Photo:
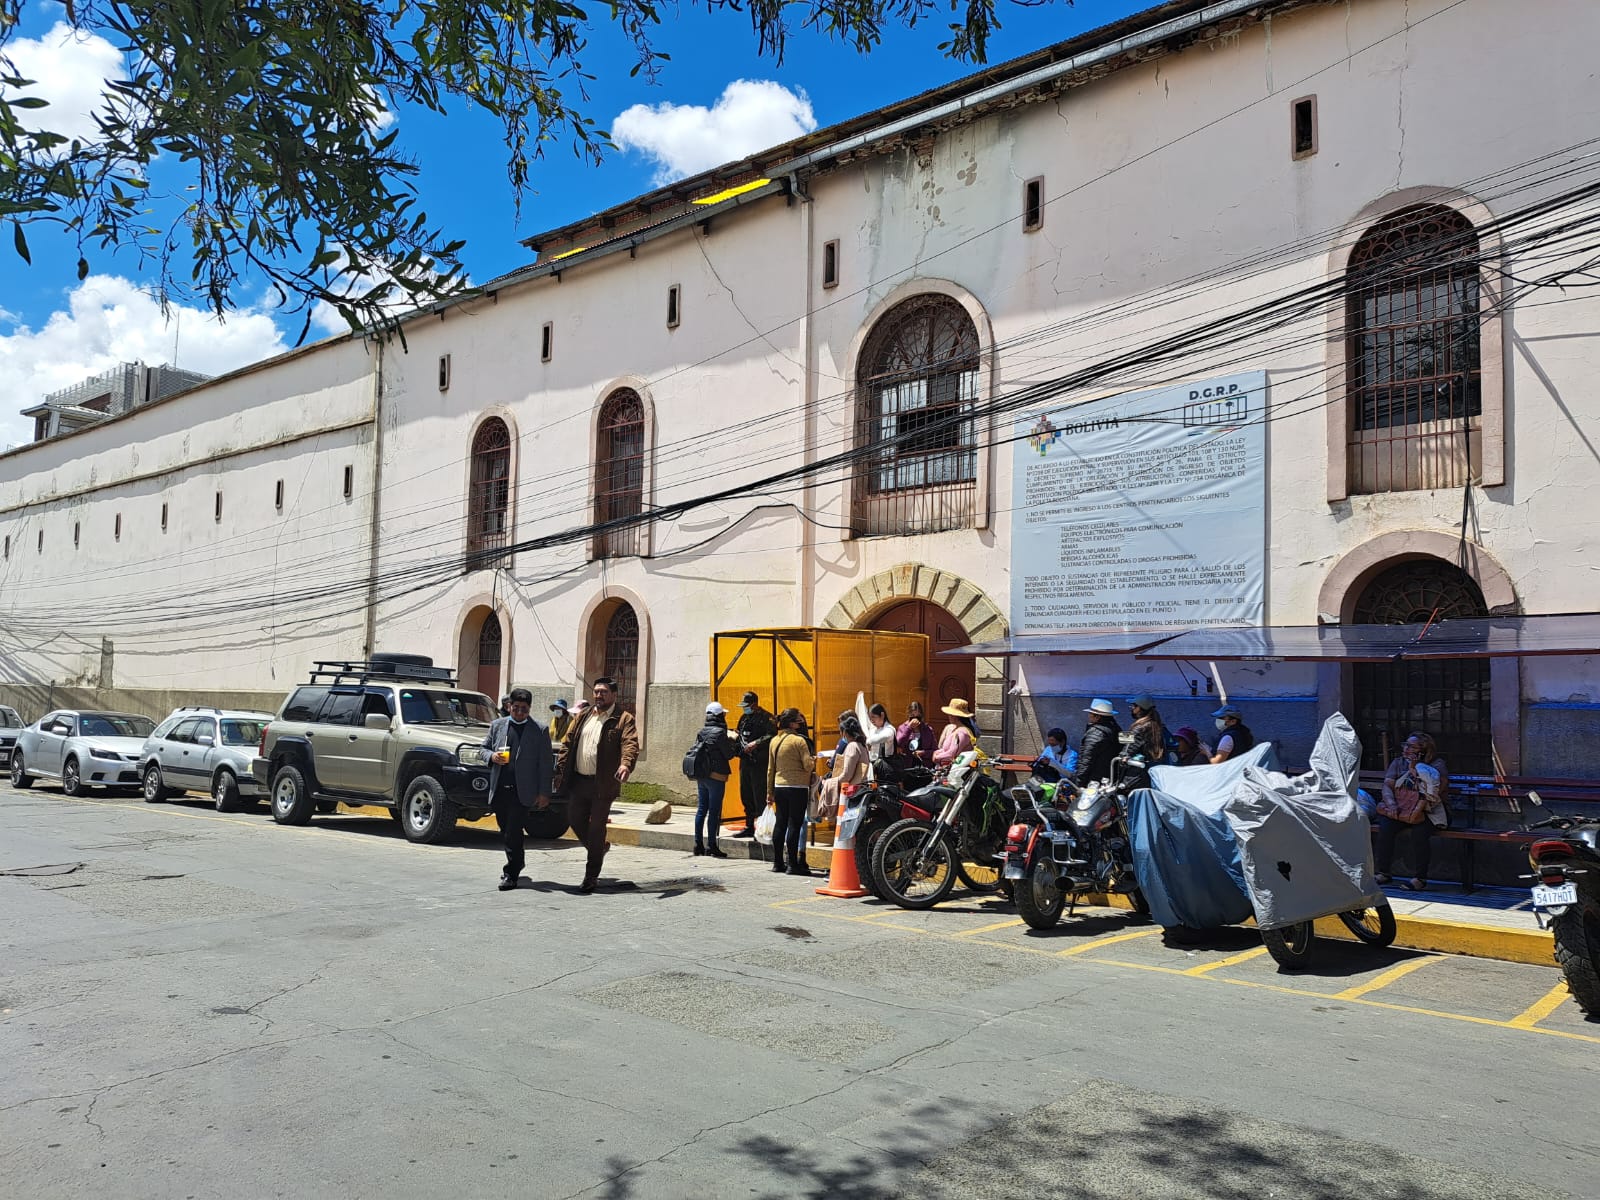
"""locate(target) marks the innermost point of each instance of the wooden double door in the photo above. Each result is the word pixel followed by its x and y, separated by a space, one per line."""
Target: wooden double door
pixel 948 678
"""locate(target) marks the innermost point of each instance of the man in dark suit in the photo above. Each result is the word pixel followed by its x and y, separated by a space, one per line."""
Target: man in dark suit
pixel 521 766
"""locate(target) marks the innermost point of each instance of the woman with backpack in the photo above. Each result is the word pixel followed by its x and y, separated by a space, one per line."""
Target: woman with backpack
pixel 709 763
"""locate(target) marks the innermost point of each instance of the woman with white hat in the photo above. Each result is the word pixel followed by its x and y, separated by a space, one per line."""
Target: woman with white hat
pixel 958 736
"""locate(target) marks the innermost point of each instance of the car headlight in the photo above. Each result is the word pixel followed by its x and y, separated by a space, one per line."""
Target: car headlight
pixel 470 754
pixel 110 755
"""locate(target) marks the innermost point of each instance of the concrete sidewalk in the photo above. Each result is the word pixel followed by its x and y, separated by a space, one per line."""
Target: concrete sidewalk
pixel 1489 923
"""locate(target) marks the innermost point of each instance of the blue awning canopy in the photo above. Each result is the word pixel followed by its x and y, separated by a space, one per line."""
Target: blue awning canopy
pixel 1105 641
pixel 1477 637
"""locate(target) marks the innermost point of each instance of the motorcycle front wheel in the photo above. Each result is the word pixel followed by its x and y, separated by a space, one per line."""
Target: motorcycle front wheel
pixel 1373 925
pixel 867 835
pixel 1290 945
pixel 1039 896
pixel 914 866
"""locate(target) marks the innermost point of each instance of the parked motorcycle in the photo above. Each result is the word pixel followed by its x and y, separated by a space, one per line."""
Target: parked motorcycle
pixel 1567 868
pixel 885 800
pixel 916 861
pixel 1069 841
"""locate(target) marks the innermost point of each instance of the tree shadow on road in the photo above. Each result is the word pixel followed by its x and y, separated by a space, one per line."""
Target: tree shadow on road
pixel 1104 1141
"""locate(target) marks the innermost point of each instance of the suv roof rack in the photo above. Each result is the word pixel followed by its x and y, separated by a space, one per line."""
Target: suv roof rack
pixel 338 671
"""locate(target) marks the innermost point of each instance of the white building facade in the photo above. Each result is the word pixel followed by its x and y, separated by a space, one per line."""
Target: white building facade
pixel 787 393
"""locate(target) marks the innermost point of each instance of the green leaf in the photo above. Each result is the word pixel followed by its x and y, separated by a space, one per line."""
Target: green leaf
pixel 20 241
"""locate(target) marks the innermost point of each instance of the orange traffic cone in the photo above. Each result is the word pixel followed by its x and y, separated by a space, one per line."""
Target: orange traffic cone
pixel 842 878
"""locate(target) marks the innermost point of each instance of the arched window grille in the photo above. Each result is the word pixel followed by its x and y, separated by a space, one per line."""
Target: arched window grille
pixel 489 493
pixel 621 655
pixel 1415 380
pixel 619 475
pixel 1446 698
pixel 917 391
pixel 489 642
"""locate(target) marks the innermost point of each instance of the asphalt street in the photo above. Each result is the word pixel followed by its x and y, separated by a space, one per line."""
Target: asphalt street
pixel 198 1005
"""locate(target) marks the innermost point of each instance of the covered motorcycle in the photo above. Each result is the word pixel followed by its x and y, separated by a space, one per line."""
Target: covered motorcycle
pixel 1213 845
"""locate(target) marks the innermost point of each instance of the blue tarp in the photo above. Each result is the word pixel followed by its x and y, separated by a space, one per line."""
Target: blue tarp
pixel 1214 845
pixel 1184 852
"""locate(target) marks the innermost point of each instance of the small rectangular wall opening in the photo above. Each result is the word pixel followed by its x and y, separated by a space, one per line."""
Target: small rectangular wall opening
pixel 216 514
pixel 1033 205
pixel 830 264
pixel 547 341
pixel 673 305
pixel 116 528
pixel 349 482
pixel 444 372
pixel 277 495
pixel 1303 126
pixel 163 517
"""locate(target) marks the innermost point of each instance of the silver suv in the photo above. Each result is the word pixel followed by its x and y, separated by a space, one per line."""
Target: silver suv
pixel 204 749
pixel 394 731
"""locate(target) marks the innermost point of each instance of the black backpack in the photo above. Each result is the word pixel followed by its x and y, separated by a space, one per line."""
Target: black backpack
pixel 694 761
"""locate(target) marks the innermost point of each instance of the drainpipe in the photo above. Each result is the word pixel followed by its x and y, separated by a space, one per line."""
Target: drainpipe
pixel 377 485
pixel 808 415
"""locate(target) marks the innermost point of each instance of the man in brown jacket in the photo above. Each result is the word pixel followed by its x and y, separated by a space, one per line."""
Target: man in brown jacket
pixel 592 764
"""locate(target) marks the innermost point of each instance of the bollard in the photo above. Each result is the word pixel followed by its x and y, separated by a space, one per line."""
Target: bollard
pixel 843 881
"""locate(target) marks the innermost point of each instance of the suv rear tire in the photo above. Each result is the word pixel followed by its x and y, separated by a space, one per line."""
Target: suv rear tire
pixel 426 813
pixel 291 798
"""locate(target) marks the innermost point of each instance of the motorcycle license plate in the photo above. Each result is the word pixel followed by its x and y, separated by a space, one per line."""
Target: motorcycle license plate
pixel 1550 897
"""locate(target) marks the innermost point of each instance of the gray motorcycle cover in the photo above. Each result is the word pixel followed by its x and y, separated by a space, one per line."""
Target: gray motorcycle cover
pixel 1304 845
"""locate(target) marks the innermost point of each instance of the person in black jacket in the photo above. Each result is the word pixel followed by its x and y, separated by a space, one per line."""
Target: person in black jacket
pixel 520 769
pixel 756 728
pixel 1100 743
pixel 714 751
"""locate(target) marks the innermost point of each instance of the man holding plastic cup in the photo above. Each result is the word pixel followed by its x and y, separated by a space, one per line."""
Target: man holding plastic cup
pixel 521 765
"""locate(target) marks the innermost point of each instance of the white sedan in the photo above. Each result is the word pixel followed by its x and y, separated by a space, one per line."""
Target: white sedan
pixel 81 750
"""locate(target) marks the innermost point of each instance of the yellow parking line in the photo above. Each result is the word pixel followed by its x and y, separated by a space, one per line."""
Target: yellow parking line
pixel 1530 1017
pixel 1246 956
pixel 990 928
pixel 1383 980
pixel 1108 941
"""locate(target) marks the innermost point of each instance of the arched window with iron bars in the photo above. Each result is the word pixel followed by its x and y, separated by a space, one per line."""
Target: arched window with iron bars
pixel 619 475
pixel 621 654
pixel 489 492
pixel 1413 360
pixel 917 389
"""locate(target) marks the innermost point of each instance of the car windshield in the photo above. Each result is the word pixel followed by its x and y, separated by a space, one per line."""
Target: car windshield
pixel 9 719
pixel 445 708
pixel 241 732
pixel 113 725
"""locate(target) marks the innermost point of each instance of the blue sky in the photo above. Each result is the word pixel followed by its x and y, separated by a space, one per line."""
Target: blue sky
pixel 54 331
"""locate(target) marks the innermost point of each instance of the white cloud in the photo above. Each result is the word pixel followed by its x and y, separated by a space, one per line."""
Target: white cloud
pixel 70 70
pixel 110 320
pixel 683 139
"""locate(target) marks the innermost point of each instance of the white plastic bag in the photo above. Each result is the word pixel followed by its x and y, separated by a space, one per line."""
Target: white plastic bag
pixel 844 837
pixel 766 823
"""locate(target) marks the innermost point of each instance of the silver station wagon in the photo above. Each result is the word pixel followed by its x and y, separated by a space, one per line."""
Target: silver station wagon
pixel 203 750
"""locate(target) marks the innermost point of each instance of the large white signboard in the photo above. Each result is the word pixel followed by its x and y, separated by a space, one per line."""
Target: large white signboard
pixel 1142 511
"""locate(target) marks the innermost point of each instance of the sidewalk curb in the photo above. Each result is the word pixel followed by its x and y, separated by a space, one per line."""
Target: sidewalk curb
pixel 1535 947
